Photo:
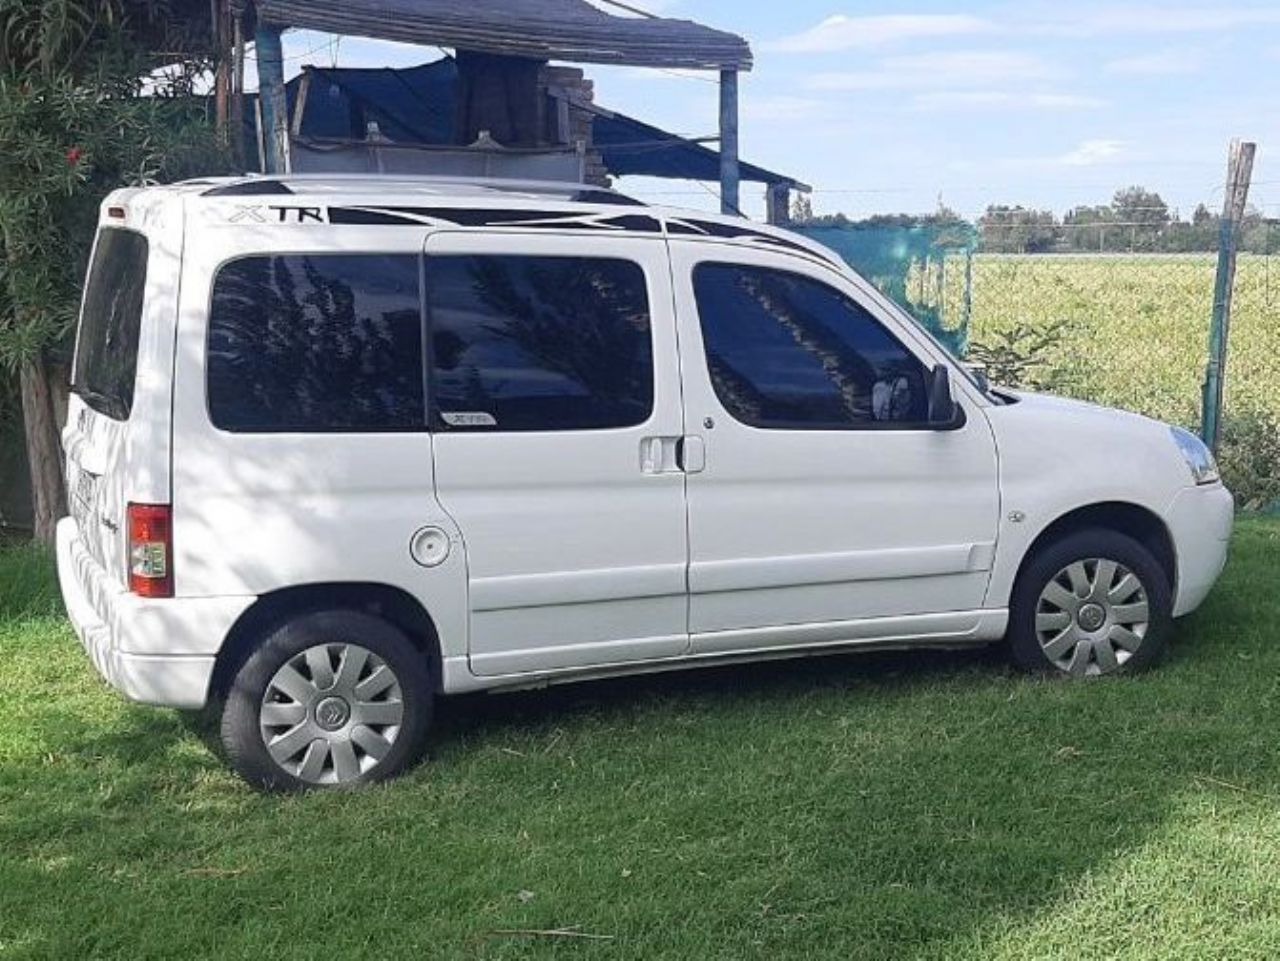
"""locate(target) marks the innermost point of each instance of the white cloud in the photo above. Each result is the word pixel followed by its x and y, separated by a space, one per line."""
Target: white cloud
pixel 1159 19
pixel 842 32
pixel 1159 63
pixel 1002 100
pixel 959 68
pixel 1090 153
pixel 1150 18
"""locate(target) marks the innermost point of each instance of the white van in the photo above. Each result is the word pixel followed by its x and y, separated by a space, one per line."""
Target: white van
pixel 340 445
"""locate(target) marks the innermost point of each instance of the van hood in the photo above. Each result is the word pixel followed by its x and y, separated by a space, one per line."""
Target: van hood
pixel 1050 405
pixel 1052 436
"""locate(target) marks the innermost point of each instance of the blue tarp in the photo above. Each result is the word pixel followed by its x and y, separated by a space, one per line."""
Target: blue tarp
pixel 416 106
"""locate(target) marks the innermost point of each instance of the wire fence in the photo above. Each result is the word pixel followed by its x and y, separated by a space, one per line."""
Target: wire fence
pixel 1128 329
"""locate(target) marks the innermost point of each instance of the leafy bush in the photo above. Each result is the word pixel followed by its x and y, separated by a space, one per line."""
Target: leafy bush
pixel 1022 355
pixel 1249 457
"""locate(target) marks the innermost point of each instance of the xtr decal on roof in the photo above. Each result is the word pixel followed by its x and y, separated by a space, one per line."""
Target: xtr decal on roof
pixel 489 217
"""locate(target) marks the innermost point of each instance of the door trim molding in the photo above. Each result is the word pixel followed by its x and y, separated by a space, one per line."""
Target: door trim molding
pixel 576 587
pixel 709 577
pixel 954 629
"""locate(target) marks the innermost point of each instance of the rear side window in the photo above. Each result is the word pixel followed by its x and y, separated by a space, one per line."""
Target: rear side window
pixel 313 343
pixel 529 343
pixel 106 359
pixel 788 351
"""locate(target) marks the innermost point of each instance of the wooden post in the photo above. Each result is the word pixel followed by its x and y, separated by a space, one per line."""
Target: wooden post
pixel 300 100
pixel 271 96
pixel 1239 172
pixel 221 73
pixel 777 204
pixel 729 142
pixel 237 92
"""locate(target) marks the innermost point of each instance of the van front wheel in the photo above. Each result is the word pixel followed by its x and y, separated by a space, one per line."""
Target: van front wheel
pixel 1094 602
pixel 330 698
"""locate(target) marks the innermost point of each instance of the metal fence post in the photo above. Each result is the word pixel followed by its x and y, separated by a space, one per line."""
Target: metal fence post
pixel 1239 170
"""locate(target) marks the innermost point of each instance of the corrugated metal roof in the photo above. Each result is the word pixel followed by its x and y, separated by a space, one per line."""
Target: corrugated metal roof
pixel 570 30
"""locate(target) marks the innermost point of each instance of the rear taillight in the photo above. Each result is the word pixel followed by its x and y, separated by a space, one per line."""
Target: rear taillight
pixel 151 550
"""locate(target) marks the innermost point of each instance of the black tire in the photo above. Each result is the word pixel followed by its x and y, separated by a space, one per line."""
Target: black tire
pixel 1025 642
pixel 336 632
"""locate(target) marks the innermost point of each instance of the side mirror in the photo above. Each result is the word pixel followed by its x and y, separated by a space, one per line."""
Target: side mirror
pixel 944 412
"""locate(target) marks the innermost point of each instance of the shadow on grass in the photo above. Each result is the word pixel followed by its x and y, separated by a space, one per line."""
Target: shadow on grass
pixel 706 688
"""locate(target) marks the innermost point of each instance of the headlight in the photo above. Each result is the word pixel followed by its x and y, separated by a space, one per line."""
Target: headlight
pixel 1198 457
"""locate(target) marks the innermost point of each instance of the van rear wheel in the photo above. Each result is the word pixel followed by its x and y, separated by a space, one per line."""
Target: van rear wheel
pixel 329 699
pixel 1095 602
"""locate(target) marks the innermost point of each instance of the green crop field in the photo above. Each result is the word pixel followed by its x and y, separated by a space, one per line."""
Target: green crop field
pixel 1137 325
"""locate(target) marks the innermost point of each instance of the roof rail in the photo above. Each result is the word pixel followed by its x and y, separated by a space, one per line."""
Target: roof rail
pixel 299 183
pixel 248 188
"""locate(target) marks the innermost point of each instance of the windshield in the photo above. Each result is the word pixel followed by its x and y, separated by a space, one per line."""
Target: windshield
pixel 106 356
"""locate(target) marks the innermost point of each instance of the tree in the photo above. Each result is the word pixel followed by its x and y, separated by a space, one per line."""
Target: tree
pixel 74 123
pixel 1144 214
pixel 1017 229
pixel 1090 228
pixel 801 209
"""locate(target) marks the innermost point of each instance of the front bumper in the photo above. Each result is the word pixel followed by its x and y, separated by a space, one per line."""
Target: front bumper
pixel 1200 521
pixel 153 650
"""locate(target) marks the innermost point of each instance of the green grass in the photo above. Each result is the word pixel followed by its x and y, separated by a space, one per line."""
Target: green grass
pixel 921 806
pixel 1139 325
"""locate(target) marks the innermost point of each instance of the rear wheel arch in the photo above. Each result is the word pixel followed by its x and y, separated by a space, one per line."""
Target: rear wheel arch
pixel 271 610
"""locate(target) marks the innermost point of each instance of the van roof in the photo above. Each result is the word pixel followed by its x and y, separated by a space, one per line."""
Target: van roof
pixel 391 199
pixel 475 188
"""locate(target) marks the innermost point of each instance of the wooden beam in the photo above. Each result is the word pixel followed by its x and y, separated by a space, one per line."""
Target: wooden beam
pixel 1239 173
pixel 221 72
pixel 300 101
pixel 237 92
pixel 271 95
pixel 777 204
pixel 729 172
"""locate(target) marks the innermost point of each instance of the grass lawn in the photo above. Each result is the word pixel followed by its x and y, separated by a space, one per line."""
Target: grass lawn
pixel 914 806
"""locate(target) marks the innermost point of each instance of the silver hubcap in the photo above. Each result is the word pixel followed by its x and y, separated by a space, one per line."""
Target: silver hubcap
pixel 331 713
pixel 1092 616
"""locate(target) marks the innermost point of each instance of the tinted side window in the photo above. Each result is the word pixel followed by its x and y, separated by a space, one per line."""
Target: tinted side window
pixel 110 321
pixel 329 342
pixel 539 343
pixel 784 350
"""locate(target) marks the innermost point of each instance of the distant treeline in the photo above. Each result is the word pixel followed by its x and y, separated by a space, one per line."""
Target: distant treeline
pixel 1136 220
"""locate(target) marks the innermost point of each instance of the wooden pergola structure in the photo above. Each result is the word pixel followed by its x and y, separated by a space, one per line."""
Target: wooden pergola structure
pixel 496 32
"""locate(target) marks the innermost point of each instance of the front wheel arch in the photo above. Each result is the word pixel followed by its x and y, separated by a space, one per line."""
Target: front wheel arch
pixel 1123 517
pixel 1098 558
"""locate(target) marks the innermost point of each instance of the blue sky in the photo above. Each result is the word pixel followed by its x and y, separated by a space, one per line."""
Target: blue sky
pixel 884 107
